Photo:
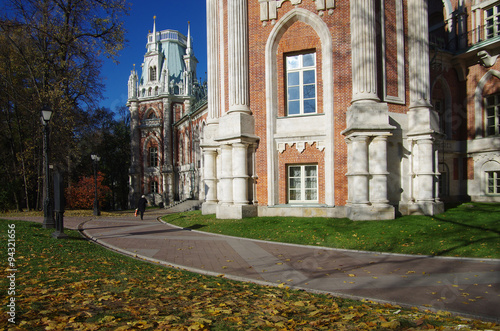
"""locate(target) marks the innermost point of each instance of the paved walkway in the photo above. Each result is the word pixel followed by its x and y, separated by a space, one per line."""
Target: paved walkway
pixel 469 287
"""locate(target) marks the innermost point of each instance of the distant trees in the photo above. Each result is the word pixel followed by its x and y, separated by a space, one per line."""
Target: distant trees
pixel 50 56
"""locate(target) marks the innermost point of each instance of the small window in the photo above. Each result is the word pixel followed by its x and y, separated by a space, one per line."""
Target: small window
pixel 152 115
pixel 153 156
pixel 301 84
pixel 152 74
pixel 492 21
pixel 302 183
pixel 154 186
pixel 492 115
pixel 493 182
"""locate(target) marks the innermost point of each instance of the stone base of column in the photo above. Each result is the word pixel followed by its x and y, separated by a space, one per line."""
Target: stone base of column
pixel 236 211
pixel 370 213
pixel 208 208
pixel 421 208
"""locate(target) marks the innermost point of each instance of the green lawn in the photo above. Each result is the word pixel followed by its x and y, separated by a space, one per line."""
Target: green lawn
pixel 74 284
pixel 468 230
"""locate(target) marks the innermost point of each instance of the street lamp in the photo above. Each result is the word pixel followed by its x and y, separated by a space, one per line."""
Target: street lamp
pixel 95 160
pixel 48 217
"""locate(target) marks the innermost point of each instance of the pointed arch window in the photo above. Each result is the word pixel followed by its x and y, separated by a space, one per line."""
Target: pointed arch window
pixel 492 115
pixel 153 156
pixel 152 73
pixel 301 84
pixel 153 186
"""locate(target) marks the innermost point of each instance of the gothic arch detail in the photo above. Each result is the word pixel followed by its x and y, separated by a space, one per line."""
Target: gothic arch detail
pixel 271 78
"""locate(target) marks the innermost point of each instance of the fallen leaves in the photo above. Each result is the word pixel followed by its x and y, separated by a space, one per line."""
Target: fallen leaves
pixel 83 287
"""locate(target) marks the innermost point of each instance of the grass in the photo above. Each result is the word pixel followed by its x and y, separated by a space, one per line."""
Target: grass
pixel 73 284
pixel 467 230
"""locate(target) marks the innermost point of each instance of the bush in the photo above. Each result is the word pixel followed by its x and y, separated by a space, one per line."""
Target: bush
pixel 82 195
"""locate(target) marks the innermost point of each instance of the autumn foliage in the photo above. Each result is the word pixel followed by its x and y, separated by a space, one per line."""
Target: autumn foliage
pixel 82 195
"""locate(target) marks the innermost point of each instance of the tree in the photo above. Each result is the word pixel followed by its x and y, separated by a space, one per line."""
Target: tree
pixel 51 55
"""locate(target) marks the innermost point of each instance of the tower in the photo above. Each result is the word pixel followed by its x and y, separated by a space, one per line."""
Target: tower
pixel 158 99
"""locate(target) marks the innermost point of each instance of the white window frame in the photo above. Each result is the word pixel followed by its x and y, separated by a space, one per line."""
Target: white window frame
pixel 153 156
pixel 303 178
pixel 496 115
pixel 494 24
pixel 301 69
pixel 494 178
pixel 154 187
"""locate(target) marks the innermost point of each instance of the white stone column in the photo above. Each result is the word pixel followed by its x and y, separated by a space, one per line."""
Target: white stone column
pixel 358 175
pixel 240 174
pixel 419 54
pixel 423 122
pixel 364 56
pixel 226 181
pixel 213 60
pixel 238 56
pixel 378 171
pixel 425 172
pixel 210 175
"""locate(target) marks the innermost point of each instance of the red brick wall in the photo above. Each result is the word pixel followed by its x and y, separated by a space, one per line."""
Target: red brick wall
pixel 311 155
pixel 298 37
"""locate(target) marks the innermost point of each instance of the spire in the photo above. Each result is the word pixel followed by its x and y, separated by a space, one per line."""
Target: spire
pixel 154 28
pixel 189 49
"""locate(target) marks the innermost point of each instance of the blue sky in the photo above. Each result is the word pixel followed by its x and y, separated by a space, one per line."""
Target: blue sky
pixel 170 14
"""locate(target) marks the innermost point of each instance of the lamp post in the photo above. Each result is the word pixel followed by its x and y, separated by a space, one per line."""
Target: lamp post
pixel 48 217
pixel 95 160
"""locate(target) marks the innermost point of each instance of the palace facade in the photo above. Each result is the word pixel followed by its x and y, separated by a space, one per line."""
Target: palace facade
pixel 361 109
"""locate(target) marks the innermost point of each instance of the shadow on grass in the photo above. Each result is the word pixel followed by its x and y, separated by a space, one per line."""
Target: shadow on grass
pixel 195 227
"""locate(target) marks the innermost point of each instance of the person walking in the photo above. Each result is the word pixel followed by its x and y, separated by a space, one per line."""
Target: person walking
pixel 141 205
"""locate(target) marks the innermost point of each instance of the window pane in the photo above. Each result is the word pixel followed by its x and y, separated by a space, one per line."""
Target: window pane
pixel 309 106
pixel 293 78
pixel 309 91
pixel 293 93
pixel 294 108
pixel 295 183
pixel 311 183
pixel 309 60
pixel 311 195
pixel 311 171
pixel 292 62
pixel 294 171
pixel 309 77
pixel 294 195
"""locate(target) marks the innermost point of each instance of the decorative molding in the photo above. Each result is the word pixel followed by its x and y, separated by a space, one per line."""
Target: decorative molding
pixel 300 145
pixel 269 8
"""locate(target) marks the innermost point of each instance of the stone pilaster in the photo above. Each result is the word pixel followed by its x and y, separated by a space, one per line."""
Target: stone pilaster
pixel 378 171
pixel 240 174
pixel 364 56
pixel 238 56
pixel 210 180
pixel 213 60
pixel 358 170
pixel 423 123
pixel 226 180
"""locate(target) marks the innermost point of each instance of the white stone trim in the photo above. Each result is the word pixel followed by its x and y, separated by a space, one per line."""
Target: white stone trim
pixel 479 104
pixel 271 78
pixel 400 46
pixel 300 145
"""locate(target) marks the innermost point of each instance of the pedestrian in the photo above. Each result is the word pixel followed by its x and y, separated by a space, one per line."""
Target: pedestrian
pixel 141 205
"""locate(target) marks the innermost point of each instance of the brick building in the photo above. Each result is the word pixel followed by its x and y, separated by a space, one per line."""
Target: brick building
pixel 167 106
pixel 362 109
pixel 365 109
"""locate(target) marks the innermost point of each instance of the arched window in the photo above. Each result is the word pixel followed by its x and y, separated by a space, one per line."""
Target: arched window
pixel 153 156
pixel 153 186
pixel 152 115
pixel 152 73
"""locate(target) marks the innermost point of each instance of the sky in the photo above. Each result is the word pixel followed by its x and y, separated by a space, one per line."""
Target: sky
pixel 170 14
